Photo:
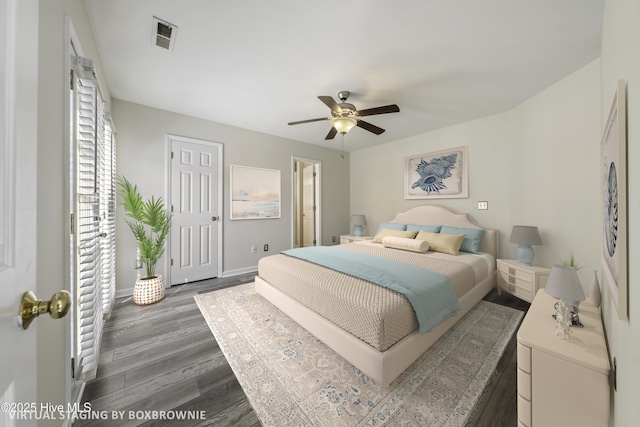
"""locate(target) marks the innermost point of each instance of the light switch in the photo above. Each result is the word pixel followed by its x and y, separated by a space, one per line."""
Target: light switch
pixel 483 205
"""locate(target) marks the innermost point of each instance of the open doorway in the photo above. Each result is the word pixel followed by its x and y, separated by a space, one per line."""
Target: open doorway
pixel 306 202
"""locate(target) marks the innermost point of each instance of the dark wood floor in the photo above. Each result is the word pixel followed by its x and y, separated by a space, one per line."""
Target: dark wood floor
pixel 163 357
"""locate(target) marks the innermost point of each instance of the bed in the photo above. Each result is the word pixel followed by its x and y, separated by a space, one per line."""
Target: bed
pixel 342 311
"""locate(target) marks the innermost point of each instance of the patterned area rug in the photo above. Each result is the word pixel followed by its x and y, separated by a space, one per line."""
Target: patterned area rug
pixel 293 379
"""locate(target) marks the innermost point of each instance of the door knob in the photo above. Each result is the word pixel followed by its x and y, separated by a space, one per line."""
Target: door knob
pixel 214 218
pixel 31 307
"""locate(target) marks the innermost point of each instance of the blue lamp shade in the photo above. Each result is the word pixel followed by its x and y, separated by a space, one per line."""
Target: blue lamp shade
pixel 357 221
pixel 525 236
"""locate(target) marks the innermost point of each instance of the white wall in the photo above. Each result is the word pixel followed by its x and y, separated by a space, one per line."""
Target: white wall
pixel 620 60
pixel 141 152
pixel 555 176
pixel 536 164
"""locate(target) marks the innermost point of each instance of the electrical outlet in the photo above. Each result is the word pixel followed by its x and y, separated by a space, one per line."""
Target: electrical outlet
pixel 483 205
pixel 266 247
pixel 254 249
pixel 334 239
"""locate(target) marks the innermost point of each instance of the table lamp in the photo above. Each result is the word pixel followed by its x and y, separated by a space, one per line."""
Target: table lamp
pixel 564 284
pixel 525 236
pixel 358 221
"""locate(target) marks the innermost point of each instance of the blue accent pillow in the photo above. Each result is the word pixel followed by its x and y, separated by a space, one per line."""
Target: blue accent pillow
pixel 428 228
pixel 471 242
pixel 391 226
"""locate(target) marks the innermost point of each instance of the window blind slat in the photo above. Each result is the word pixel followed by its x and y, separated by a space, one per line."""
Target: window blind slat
pixel 93 185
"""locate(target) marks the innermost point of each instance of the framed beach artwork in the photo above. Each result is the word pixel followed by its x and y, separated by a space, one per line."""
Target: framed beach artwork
pixel 255 192
pixel 437 175
pixel 613 159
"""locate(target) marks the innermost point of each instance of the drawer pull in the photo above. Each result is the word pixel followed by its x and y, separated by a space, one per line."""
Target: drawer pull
pixel 512 271
pixel 512 279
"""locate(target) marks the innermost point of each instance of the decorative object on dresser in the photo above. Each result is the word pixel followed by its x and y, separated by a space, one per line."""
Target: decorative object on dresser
pixel 525 236
pixel 562 382
pixel 357 221
pixel 520 280
pixel 595 297
pixel 613 158
pixel 150 224
pixel 564 284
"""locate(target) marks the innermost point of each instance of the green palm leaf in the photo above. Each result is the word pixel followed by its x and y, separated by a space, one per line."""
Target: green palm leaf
pixel 149 222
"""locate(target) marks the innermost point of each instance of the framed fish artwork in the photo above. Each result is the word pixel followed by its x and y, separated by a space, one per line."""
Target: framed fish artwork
pixel 437 175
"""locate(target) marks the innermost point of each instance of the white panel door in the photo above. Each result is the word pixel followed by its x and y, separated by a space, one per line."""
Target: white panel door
pixel 195 191
pixel 309 205
pixel 18 146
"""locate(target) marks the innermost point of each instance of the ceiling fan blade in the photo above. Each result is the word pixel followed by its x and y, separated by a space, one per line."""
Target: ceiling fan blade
pixel 307 121
pixel 368 126
pixel 332 133
pixel 329 102
pixel 393 108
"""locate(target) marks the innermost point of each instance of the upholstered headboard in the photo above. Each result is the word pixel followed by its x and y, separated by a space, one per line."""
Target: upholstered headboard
pixel 439 215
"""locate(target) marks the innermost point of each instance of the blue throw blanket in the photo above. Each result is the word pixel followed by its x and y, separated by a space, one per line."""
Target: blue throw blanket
pixel 429 292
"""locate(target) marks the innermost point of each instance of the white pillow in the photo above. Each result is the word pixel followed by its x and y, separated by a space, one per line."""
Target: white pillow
pixel 405 244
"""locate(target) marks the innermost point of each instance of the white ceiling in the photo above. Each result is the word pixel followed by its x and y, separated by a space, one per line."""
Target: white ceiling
pixel 260 64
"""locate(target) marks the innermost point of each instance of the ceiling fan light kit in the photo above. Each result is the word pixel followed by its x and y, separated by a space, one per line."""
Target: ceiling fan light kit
pixel 345 115
pixel 343 124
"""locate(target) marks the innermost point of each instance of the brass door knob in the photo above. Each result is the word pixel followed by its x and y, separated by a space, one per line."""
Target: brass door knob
pixel 31 307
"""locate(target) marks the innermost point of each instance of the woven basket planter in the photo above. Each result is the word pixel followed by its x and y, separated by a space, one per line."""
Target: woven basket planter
pixel 148 291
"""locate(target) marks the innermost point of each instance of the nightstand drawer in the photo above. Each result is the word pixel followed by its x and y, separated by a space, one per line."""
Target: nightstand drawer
pixel 349 238
pixel 520 288
pixel 518 273
pixel 521 280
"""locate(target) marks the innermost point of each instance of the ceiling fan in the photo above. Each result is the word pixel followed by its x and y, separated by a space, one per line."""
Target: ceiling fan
pixel 345 116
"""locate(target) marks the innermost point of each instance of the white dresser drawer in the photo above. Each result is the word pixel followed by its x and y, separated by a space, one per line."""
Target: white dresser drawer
pixel 524 411
pixel 524 358
pixel 524 384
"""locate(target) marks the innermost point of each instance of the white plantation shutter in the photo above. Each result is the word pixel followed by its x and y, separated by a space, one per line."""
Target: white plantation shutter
pixel 108 210
pixel 93 218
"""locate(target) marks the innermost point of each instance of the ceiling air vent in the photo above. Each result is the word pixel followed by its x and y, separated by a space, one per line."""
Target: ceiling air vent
pixel 164 34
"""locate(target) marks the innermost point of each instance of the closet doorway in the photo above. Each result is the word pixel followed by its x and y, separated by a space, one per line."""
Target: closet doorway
pixel 306 202
pixel 195 193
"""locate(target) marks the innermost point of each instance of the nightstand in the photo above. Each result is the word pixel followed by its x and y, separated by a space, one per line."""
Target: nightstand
pixel 562 382
pixel 521 280
pixel 350 238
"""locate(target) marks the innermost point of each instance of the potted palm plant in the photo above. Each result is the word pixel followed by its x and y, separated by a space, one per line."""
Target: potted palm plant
pixel 149 222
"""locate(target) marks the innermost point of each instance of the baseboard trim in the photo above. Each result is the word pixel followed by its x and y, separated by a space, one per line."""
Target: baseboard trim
pixel 239 271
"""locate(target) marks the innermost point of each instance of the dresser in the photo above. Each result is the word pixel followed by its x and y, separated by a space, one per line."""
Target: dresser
pixel 562 382
pixel 521 280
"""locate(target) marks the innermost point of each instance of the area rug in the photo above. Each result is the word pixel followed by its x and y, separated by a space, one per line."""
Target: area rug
pixel 293 379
